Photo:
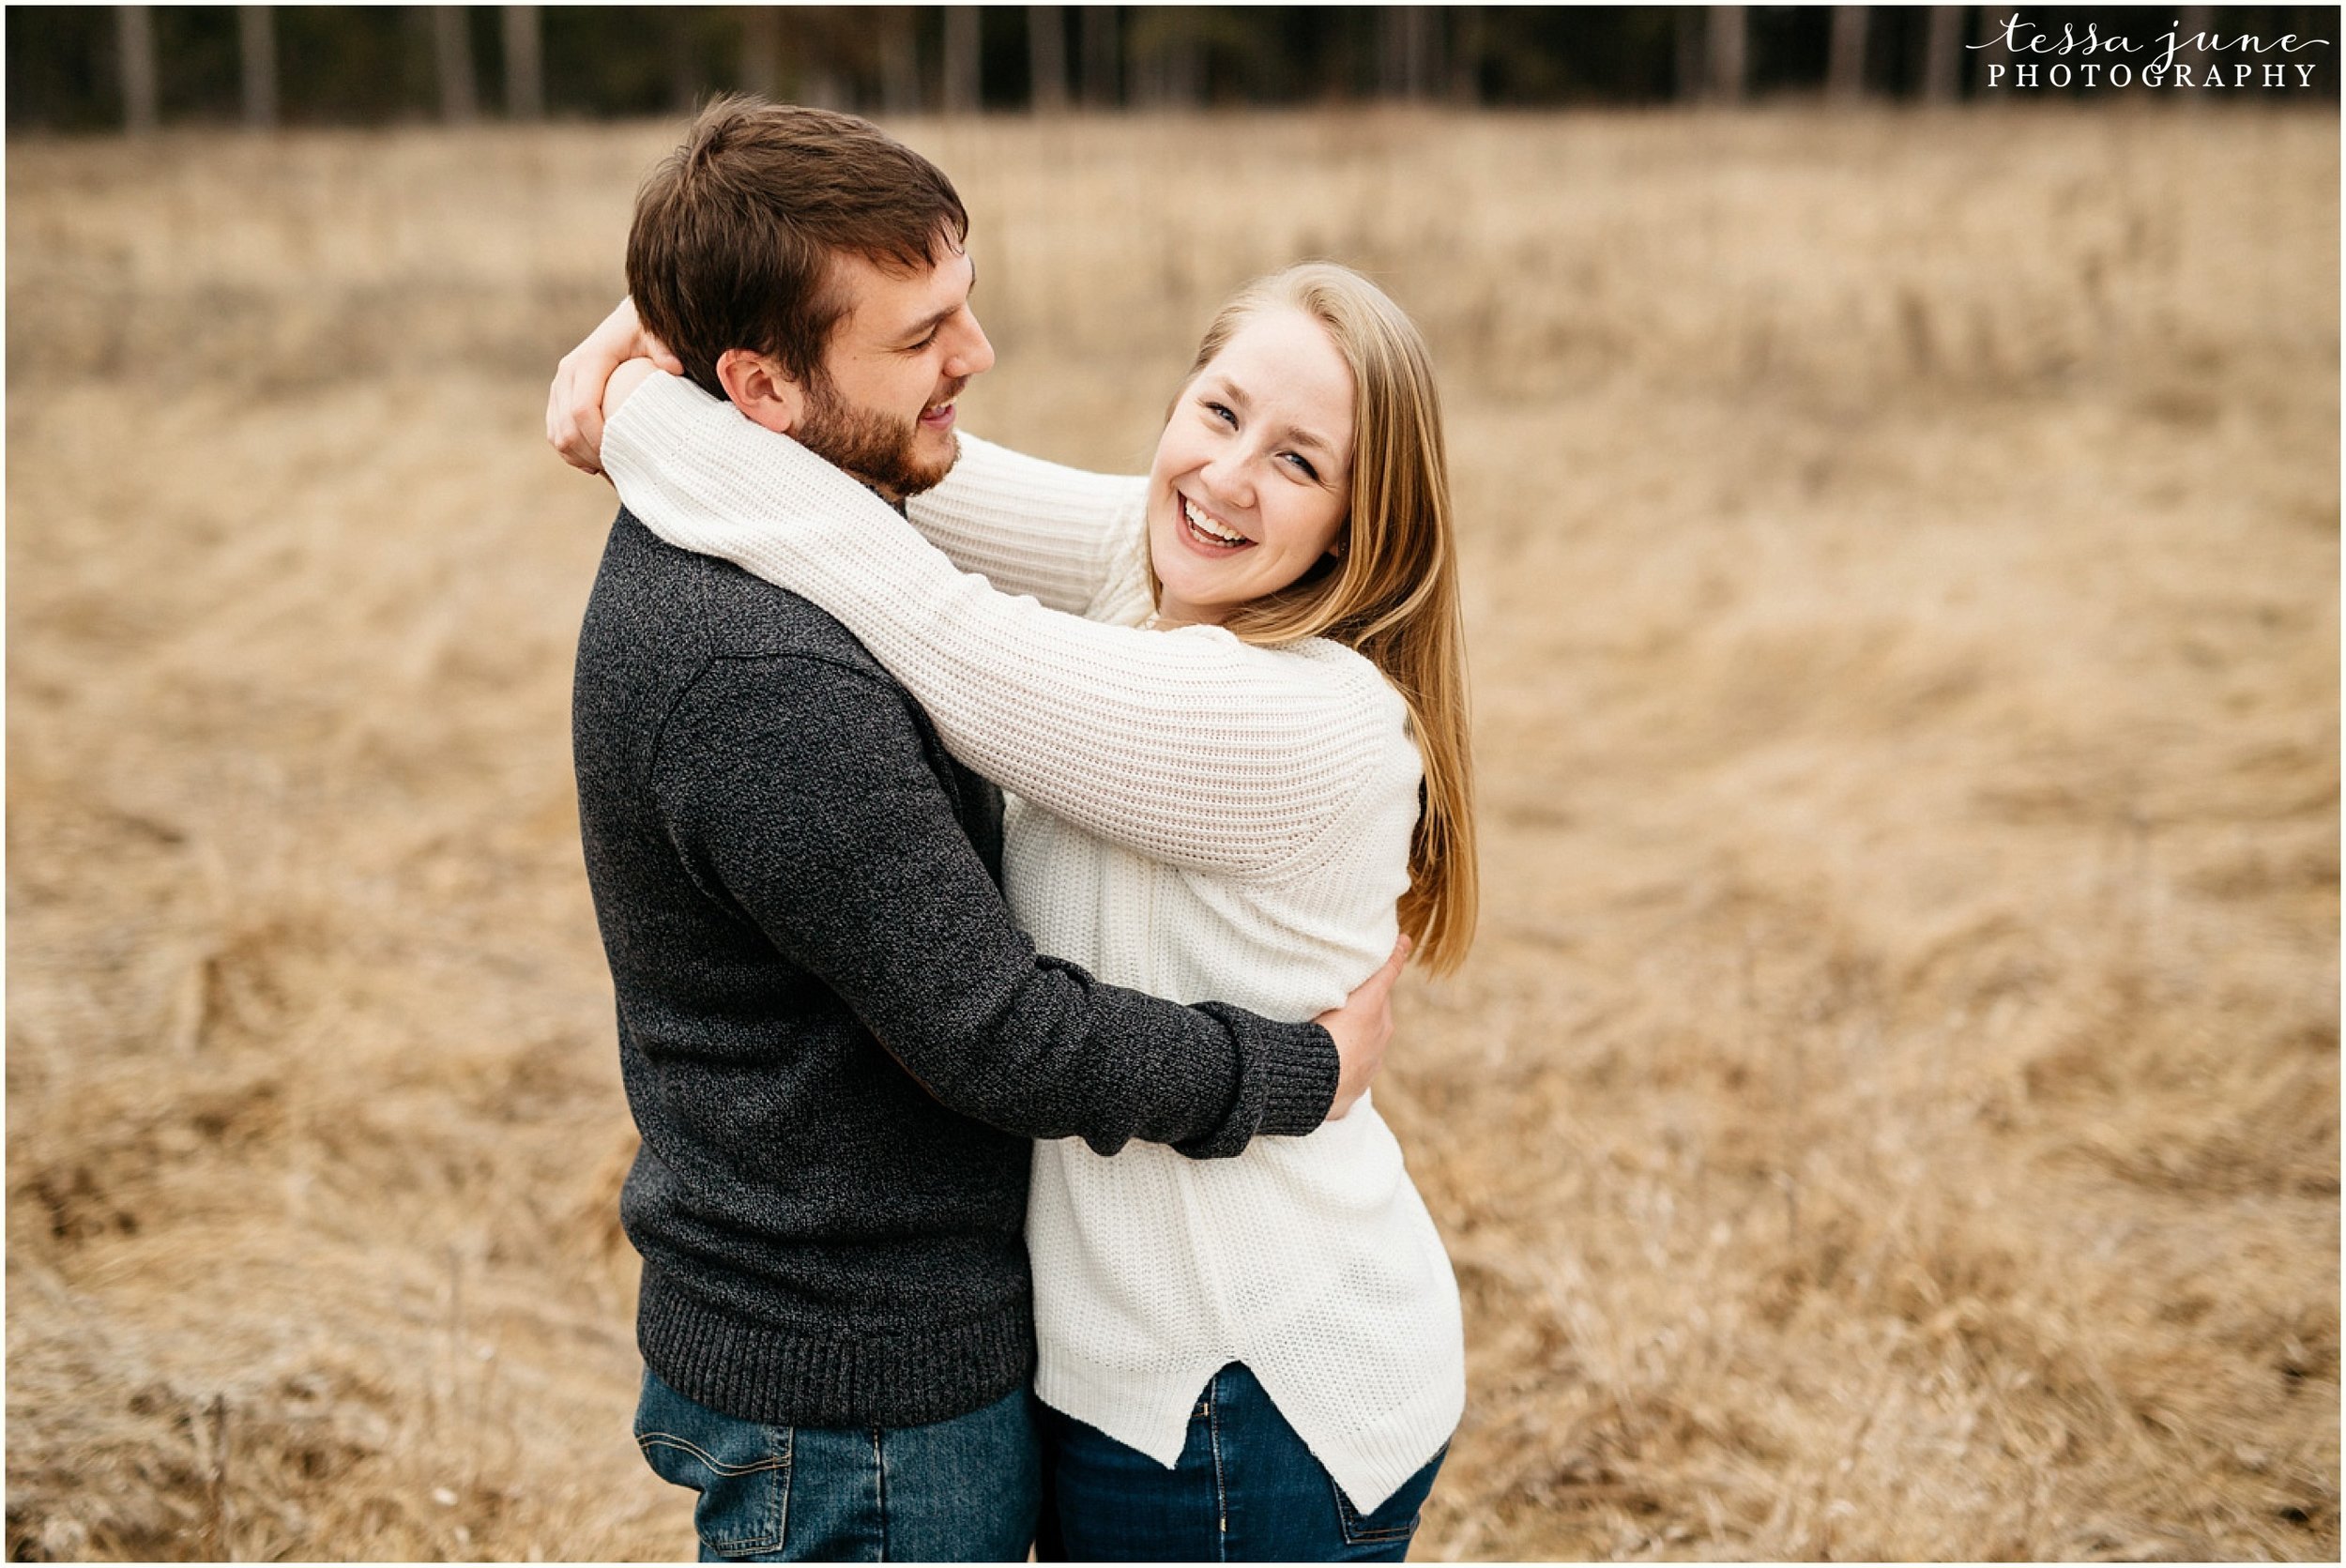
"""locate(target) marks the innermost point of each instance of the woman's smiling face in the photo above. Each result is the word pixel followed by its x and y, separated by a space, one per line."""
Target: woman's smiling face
pixel 1252 476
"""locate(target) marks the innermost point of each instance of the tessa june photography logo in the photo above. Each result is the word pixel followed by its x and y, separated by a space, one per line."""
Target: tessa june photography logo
pixel 2090 58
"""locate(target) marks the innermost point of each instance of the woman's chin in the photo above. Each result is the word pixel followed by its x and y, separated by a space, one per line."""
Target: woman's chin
pixel 1193 584
pixel 1177 607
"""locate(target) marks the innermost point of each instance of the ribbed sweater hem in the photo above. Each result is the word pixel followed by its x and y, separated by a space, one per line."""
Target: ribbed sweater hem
pixel 1372 1454
pixel 846 1376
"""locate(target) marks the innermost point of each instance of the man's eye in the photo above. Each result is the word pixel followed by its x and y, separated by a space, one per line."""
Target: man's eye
pixel 917 347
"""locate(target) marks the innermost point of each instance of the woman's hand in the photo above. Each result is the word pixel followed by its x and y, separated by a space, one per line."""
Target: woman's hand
pixel 579 400
pixel 1362 1028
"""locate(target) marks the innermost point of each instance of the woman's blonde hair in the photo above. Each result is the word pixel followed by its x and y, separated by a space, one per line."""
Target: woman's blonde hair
pixel 1391 593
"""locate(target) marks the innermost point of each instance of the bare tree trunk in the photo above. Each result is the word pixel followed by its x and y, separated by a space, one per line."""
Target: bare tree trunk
pixel 1845 69
pixel 684 72
pixel 961 59
pixel 2190 23
pixel 2190 54
pixel 134 41
pixel 1100 56
pixel 759 67
pixel 1046 59
pixel 900 63
pixel 1406 46
pixel 1168 65
pixel 1186 72
pixel 1942 56
pixel 1141 69
pixel 452 49
pixel 1688 55
pixel 257 49
pixel 524 63
pixel 1466 57
pixel 1726 52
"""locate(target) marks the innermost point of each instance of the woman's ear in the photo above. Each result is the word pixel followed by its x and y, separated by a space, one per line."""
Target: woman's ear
pixel 761 390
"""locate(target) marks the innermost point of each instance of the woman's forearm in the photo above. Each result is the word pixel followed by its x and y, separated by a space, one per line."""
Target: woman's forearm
pixel 1188 746
pixel 1029 526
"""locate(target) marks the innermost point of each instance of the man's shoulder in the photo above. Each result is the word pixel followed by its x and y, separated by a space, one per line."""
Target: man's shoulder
pixel 679 606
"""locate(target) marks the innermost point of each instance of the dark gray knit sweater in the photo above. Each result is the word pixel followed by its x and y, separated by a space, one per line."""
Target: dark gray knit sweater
pixel 836 1044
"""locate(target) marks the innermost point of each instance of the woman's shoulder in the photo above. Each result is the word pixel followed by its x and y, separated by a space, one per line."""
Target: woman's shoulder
pixel 1347 684
pixel 1335 694
pixel 1347 667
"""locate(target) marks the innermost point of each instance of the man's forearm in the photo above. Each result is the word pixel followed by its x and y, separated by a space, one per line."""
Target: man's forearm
pixel 1207 1079
pixel 806 789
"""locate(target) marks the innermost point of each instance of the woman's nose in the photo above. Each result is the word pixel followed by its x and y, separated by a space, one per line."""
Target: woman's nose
pixel 1230 476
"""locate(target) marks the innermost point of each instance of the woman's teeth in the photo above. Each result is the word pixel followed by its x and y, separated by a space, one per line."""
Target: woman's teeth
pixel 1212 532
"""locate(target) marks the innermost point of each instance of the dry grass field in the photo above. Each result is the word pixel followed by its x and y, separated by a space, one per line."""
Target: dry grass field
pixel 1892 1110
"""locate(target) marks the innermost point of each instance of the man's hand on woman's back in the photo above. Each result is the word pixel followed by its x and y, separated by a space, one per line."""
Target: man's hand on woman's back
pixel 1362 1028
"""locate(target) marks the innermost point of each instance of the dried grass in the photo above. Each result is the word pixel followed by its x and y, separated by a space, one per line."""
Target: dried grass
pixel 1893 1111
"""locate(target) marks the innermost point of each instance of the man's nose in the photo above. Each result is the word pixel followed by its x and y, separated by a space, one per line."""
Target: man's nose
pixel 973 355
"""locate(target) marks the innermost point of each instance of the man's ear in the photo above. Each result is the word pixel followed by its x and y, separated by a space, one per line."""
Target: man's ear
pixel 760 390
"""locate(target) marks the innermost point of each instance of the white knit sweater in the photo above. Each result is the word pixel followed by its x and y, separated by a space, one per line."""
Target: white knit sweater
pixel 1186 814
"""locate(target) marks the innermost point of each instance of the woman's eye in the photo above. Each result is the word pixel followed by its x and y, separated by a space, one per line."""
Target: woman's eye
pixel 1221 411
pixel 1303 463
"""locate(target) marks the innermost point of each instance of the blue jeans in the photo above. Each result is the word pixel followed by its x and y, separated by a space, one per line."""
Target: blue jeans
pixel 1245 1489
pixel 965 1490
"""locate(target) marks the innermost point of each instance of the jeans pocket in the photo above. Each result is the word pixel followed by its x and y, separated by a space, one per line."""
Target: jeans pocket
pixel 1396 1517
pixel 740 1468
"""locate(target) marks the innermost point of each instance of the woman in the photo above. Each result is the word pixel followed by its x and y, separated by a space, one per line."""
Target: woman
pixel 1232 779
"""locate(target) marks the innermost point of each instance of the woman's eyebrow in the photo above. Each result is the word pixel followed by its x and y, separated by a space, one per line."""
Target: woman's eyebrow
pixel 1232 393
pixel 1296 435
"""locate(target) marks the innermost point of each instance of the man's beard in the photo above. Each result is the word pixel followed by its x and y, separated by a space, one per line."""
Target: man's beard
pixel 871 446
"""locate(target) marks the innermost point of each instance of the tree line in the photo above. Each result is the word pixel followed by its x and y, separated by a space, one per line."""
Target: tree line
pixel 138 67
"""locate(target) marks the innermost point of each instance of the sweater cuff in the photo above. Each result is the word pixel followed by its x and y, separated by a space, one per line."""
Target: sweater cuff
pixel 1300 1080
pixel 1287 1075
pixel 656 417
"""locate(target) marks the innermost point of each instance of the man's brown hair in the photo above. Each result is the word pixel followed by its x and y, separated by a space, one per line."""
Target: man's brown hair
pixel 734 230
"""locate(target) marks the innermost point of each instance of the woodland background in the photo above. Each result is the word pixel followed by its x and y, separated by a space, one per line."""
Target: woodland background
pixel 103 67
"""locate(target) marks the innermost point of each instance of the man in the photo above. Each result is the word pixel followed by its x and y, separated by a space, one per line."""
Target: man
pixel 835 1042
